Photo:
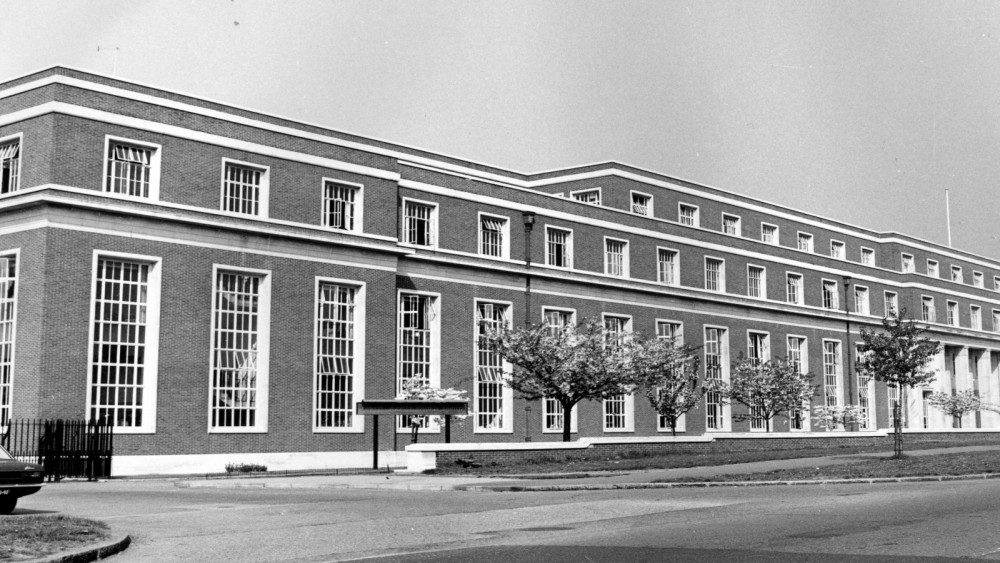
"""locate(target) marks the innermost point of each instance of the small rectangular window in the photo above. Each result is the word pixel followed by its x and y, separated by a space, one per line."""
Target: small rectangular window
pixel 831 295
pixel 805 242
pixel 10 166
pixel 592 197
pixel 557 320
pixel 793 288
pixel 688 214
pixel 130 169
pixel 996 320
pixel 558 247
pixel 952 311
pixel 616 257
pixel 891 303
pixel 977 279
pixel 867 256
pixel 419 223
pixel 861 304
pixel 932 269
pixel 956 274
pixel 731 225
pixel 669 330
pixel 768 233
pixel 837 250
pixel 906 262
pixel 715 275
pixel 996 283
pixel 927 311
pixel 244 189
pixel 666 262
pixel 756 282
pixel 340 205
pixel 975 317
pixel 493 238
pixel 642 204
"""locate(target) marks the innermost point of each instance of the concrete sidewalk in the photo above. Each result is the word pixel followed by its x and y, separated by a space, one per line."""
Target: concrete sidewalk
pixel 597 479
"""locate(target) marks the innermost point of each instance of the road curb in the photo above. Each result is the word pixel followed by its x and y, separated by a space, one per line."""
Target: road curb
pixel 707 484
pixel 87 554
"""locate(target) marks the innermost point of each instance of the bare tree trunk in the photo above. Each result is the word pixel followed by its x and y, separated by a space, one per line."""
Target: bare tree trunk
pixel 673 427
pixel 567 420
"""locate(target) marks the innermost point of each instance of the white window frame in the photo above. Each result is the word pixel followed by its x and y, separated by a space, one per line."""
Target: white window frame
pixel 957 275
pixel 359 207
pixel 434 377
pixel 724 359
pixel 625 269
pixel 569 247
pixel 628 398
pixel 763 281
pixel 433 223
pixel 574 195
pixel 895 302
pixel 681 423
pixel 870 252
pixel 739 225
pixel 504 235
pixel 931 316
pixel 977 279
pixel 649 203
pixel 264 189
pixel 838 249
pixel 507 394
pixel 155 159
pixel 808 239
pixel 19 138
pixel 933 268
pixel 996 283
pixel 862 306
pixel 152 352
pixel 906 264
pixel 696 221
pixel 676 269
pixel 996 320
pixel 547 402
pixel 263 357
pixel 835 304
pixel 777 233
pixel 800 298
pixel 951 314
pixel 572 313
pixel 761 425
pixel 975 317
pixel 6 409
pixel 722 274
pixel 803 369
pixel 358 377
pixel 838 399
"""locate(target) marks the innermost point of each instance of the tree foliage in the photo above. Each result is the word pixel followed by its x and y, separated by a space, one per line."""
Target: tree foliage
pixel 569 365
pixel 957 405
pixel 899 353
pixel 667 372
pixel 768 388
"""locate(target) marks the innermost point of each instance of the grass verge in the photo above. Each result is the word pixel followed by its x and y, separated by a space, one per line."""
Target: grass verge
pixel 30 537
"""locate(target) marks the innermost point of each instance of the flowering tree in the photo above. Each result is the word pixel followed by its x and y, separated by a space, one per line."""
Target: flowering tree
pixel 768 388
pixel 957 405
pixel 667 372
pixel 568 365
pixel 832 418
pixel 417 390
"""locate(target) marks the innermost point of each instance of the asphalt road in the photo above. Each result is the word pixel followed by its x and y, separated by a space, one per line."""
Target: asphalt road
pixel 799 523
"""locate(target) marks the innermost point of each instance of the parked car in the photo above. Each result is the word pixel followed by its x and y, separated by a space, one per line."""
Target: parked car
pixel 17 479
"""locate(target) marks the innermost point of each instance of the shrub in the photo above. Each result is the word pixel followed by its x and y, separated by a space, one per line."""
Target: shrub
pixel 245 468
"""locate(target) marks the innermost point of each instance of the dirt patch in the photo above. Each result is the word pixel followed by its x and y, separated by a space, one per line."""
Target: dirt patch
pixel 30 537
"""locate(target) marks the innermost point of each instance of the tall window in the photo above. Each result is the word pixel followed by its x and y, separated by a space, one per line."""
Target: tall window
pixel 932 269
pixel 616 257
pixel 952 312
pixel 10 165
pixel 731 225
pixel 642 204
pixel 238 364
pixel 996 320
pixel 805 242
pixel 975 317
pixel 891 303
pixel 996 283
pixel 756 282
pixel 8 277
pixel 793 288
pixel 243 189
pixel 417 341
pixel 688 215
pixel 129 169
pixel 757 352
pixel 340 205
pixel 589 196
pixel 906 262
pixel 837 250
pixel 558 247
pixel 768 233
pixel 867 256
pixel 798 419
pixel 927 312
pixel 861 304
pixel 715 362
pixel 419 223
pixel 866 396
pixel 831 372
pixel 335 356
pixel 956 274
pixel 715 275
pixel 666 266
pixel 617 408
pixel 556 321
pixel 831 296
pixel 977 279
pixel 491 406
pixel 492 236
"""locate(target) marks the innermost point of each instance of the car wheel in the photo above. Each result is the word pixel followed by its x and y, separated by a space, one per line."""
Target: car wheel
pixel 7 505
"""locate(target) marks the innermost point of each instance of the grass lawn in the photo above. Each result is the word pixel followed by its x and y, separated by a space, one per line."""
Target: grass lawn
pixel 969 463
pixel 30 537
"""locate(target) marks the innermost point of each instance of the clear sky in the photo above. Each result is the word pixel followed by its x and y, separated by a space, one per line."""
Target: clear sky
pixel 860 111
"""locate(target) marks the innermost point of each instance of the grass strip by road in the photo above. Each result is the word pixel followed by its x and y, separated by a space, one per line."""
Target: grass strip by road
pixel 29 537
pixel 864 467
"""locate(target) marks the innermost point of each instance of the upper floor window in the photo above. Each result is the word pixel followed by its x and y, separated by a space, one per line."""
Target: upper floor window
pixel 952 313
pixel 666 266
pixel 558 247
pixel 996 320
pixel 861 303
pixel 669 330
pixel 758 347
pixel 932 269
pixel 494 236
pixel 616 257
pixel 715 275
pixel 975 317
pixel 244 189
pixel 557 320
pixel 341 206
pixel 891 303
pixel 906 262
pixel 927 310
pixel 731 225
pixel 588 196
pixel 688 214
pixel 419 223
pixel 756 282
pixel 956 274
pixel 837 250
pixel 805 242
pixel 867 256
pixel 977 279
pixel 10 166
pixel 132 169
pixel 642 204
pixel 996 283
pixel 769 233
pixel 793 288
pixel 831 296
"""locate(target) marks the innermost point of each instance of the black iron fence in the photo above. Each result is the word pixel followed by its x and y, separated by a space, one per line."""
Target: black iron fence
pixel 65 448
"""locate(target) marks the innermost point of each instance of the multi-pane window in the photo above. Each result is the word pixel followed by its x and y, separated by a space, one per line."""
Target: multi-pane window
pixel 10 165
pixel 977 279
pixel 956 274
pixel 756 282
pixel 927 312
pixel 419 223
pixel 129 169
pixel 831 372
pixel 893 396
pixel 861 304
pixel 243 189
pixel 715 275
pixel 416 344
pixel 335 356
pixel 8 277
pixel 490 407
pixel 688 215
pixel 793 288
pixel 798 418
pixel 837 249
pixel 589 196
pixel 757 353
pixel 768 233
pixel 558 247
pixel 952 312
pixel 975 317
pixel 805 242
pixel 492 239
pixel 867 256
pixel 831 296
pixel 866 396
pixel 731 225
pixel 668 330
pixel 340 205
pixel 119 347
pixel 891 303
pixel 557 320
pixel 617 411
pixel 714 362
pixel 616 257
pixel 666 266
pixel 906 262
pixel 932 269
pixel 236 362
pixel 642 204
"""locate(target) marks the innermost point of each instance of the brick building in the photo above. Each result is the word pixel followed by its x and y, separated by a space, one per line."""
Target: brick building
pixel 225 285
